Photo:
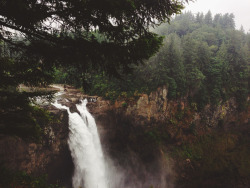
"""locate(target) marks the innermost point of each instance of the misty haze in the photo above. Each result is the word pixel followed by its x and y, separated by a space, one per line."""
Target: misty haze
pixel 124 94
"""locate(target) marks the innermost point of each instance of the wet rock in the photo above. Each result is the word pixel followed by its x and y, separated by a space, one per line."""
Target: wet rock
pixel 153 106
pixel 48 156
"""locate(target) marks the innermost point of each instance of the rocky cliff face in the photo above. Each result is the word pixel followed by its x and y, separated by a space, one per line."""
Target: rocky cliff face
pixel 142 133
pixel 153 106
pixel 50 156
pixel 136 136
pixel 155 109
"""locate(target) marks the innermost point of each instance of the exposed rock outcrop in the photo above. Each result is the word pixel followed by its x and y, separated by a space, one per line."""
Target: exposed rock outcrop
pixel 50 156
pixel 127 134
pixel 157 107
pixel 181 120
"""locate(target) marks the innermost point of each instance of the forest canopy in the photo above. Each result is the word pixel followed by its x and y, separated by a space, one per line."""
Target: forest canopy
pixel 84 34
pixel 38 38
pixel 203 58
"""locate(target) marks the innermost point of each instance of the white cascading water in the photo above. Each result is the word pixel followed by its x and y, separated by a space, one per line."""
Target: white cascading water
pixel 85 147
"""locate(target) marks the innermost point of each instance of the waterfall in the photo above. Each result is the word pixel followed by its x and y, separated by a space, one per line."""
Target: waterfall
pixel 85 147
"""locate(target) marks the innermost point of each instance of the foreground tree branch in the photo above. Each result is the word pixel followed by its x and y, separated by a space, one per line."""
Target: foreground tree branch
pixel 88 34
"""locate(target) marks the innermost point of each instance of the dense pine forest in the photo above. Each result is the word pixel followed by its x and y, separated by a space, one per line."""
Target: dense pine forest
pixel 203 57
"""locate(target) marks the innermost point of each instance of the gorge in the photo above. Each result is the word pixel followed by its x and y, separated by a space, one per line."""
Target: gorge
pixel 109 94
pixel 141 146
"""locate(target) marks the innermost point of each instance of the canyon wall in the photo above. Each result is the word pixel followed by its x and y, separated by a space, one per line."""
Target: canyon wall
pixel 49 156
pixel 136 134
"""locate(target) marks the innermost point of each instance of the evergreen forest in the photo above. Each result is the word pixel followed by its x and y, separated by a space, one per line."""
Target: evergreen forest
pixel 117 52
pixel 203 57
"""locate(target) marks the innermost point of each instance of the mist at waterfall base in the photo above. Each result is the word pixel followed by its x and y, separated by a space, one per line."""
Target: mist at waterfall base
pixel 93 169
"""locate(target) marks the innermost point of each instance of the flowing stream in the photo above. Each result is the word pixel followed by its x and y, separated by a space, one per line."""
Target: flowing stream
pixel 85 147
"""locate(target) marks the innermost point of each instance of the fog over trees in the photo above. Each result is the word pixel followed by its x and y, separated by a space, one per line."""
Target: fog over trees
pixel 203 57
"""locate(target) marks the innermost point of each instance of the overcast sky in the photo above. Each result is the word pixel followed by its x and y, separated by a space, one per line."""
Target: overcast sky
pixel 240 8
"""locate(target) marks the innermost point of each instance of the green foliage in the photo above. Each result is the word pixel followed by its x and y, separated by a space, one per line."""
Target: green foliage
pixel 85 35
pixel 84 40
pixel 208 20
pixel 124 104
pixel 220 159
pixel 18 117
pixel 9 179
pixel 157 135
pixel 208 61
